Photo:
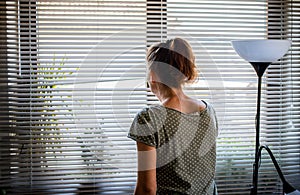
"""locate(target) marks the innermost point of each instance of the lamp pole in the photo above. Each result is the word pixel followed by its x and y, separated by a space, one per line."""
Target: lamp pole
pixel 257 142
pixel 260 68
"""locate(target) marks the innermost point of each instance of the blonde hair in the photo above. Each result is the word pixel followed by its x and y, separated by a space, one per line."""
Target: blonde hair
pixel 173 62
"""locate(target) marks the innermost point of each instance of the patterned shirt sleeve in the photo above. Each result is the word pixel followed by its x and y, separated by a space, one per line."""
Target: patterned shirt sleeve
pixel 143 128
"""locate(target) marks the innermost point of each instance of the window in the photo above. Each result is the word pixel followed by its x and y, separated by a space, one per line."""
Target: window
pixel 282 123
pixel 73 77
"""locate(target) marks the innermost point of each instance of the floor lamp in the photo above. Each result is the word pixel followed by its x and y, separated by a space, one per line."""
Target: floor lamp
pixel 260 54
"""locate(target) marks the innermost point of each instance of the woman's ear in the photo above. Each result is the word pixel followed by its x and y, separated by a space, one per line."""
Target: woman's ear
pixel 152 77
pixel 153 82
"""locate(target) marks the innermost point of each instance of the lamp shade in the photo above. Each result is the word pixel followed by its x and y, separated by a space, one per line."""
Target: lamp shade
pixel 296 192
pixel 264 50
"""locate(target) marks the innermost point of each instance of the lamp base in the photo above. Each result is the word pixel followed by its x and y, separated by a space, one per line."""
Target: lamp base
pixel 296 192
pixel 288 189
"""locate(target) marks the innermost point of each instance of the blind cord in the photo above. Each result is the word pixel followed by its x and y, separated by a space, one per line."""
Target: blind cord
pixel 161 20
pixel 30 96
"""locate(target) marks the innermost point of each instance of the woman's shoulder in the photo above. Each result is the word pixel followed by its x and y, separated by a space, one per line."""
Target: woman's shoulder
pixel 151 111
pixel 156 108
pixel 160 111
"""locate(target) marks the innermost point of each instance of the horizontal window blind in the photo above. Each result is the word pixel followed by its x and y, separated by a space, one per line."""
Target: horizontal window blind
pixel 228 82
pixel 281 130
pixel 73 77
pixel 79 82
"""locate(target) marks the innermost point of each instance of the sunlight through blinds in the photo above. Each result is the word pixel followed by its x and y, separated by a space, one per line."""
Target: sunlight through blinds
pixel 73 76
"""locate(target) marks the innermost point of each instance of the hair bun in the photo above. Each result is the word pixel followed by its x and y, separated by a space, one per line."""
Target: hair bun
pixel 173 62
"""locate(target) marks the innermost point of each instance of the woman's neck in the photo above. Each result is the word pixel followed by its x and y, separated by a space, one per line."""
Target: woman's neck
pixel 173 97
pixel 178 100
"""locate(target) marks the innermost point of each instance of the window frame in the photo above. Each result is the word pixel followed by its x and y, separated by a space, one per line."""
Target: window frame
pixel 28 50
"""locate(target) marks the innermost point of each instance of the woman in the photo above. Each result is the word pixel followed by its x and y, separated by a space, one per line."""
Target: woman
pixel 176 140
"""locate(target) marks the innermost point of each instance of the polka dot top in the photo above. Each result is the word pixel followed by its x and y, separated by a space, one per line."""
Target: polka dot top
pixel 185 147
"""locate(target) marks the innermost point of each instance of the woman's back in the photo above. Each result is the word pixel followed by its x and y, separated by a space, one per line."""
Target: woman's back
pixel 185 147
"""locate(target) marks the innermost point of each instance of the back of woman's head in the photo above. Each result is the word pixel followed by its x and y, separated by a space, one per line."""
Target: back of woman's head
pixel 173 62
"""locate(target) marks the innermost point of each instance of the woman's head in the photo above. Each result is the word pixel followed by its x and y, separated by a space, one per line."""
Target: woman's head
pixel 172 63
